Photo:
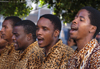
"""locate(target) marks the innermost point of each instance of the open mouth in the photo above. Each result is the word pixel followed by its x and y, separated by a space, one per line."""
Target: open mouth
pixel 74 28
pixel 40 40
pixel 2 36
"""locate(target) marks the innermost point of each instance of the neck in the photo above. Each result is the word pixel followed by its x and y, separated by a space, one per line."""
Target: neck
pixel 25 47
pixel 50 45
pixel 82 42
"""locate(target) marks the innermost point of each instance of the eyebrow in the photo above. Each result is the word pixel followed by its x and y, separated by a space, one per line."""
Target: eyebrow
pixel 82 17
pixel 14 33
pixel 41 26
pixel 44 26
pixel 3 25
pixel 79 16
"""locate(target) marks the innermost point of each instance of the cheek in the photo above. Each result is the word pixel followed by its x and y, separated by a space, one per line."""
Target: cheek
pixel 20 43
pixel 84 28
pixel 8 31
pixel 22 40
pixel 2 41
pixel 49 37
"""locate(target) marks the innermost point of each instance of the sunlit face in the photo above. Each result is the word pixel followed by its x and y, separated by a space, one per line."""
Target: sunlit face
pixel 7 30
pixel 80 25
pixel 19 38
pixel 45 32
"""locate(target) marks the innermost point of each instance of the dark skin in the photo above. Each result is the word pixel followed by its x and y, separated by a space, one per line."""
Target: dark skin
pixel 3 43
pixel 46 35
pixel 7 31
pixel 70 42
pixel 21 39
pixel 81 29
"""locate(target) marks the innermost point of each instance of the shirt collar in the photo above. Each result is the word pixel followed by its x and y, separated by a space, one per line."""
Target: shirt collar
pixel 59 43
pixel 28 49
pixel 78 55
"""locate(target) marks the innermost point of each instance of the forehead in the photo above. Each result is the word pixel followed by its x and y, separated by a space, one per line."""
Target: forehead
pixel 7 22
pixel 83 12
pixel 44 22
pixel 18 29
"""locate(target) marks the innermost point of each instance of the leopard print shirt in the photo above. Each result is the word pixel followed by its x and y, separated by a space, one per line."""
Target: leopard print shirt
pixel 57 57
pixel 86 58
pixel 30 58
pixel 8 57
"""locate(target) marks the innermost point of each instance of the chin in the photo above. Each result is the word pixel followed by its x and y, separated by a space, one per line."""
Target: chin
pixel 73 37
pixel 41 46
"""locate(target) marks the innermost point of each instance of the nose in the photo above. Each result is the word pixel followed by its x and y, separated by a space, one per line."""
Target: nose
pixel 38 32
pixel 2 30
pixel 74 21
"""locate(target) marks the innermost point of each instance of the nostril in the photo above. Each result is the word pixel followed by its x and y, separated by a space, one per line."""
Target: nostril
pixel 74 22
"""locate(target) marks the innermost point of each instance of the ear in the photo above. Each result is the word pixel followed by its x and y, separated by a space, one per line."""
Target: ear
pixel 92 29
pixel 29 36
pixel 56 33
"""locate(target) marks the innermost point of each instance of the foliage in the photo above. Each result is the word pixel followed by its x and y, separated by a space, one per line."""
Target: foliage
pixel 14 8
pixel 67 9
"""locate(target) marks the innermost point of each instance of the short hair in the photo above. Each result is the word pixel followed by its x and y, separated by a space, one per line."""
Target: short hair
pixel 29 27
pixel 14 19
pixel 54 19
pixel 94 18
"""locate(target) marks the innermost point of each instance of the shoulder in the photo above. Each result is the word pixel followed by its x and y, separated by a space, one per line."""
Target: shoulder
pixel 95 58
pixel 64 51
pixel 66 48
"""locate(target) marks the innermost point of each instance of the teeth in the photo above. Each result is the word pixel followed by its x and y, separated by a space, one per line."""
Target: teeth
pixel 74 28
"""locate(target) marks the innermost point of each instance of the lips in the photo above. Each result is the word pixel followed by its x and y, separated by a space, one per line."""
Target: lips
pixel 40 40
pixel 73 29
pixel 3 36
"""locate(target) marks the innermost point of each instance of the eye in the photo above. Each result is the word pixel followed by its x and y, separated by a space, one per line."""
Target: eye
pixel 5 27
pixel 16 35
pixel 44 29
pixel 81 19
